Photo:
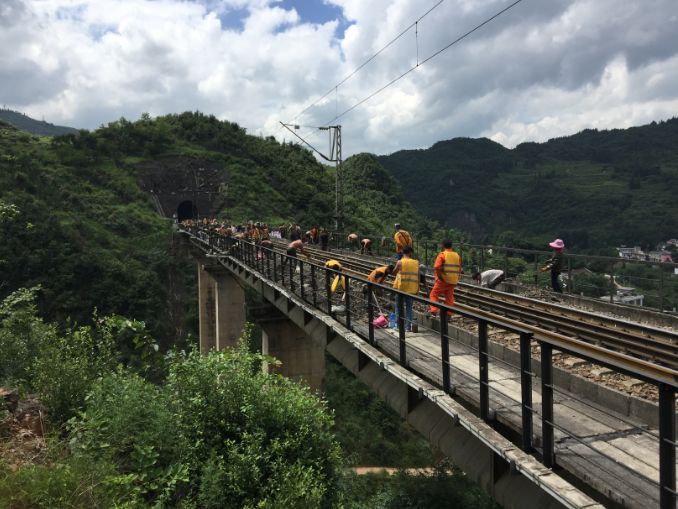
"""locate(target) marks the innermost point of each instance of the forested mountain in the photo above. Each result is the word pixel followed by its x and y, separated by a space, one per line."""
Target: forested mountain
pixel 30 125
pixel 83 230
pixel 84 256
pixel 593 189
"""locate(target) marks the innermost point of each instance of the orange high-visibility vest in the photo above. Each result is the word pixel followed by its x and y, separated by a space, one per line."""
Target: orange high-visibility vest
pixel 451 268
pixel 402 238
pixel 407 279
pixel 373 275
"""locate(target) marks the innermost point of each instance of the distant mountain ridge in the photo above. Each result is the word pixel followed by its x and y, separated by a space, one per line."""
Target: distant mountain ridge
pixel 593 189
pixel 30 125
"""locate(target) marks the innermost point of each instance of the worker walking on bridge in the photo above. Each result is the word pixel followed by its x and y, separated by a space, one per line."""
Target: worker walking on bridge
pixel 447 270
pixel 324 237
pixel 406 272
pixel 402 239
pixel 555 264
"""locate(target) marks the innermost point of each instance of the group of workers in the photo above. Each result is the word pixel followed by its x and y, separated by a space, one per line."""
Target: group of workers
pixel 407 272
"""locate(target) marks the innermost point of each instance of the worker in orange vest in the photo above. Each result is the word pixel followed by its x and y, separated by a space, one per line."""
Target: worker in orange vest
pixel 402 238
pixel 447 270
pixel 380 274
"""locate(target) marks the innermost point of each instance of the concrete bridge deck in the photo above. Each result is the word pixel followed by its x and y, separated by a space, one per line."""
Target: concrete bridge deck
pixel 596 451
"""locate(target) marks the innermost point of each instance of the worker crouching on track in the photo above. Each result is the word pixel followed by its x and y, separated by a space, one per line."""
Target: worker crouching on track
pixel 406 272
pixel 402 239
pixel 338 280
pixel 352 241
pixel 366 247
pixel 489 278
pixel 294 247
pixel 379 276
pixel 447 269
pixel 267 244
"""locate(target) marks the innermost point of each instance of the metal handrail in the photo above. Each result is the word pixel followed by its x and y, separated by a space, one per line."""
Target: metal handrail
pixel 665 378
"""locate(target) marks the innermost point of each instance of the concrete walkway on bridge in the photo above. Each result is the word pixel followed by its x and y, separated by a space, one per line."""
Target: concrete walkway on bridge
pixel 617 457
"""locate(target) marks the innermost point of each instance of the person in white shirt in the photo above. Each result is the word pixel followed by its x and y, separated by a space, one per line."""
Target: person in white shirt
pixel 490 278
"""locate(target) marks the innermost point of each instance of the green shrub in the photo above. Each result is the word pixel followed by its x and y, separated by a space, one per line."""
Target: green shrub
pixel 128 422
pixel 22 335
pixel 75 484
pixel 68 365
pixel 446 488
pixel 257 440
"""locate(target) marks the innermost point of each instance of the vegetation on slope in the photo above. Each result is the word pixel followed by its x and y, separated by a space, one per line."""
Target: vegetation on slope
pixel 85 232
pixel 593 189
pixel 75 224
pixel 145 430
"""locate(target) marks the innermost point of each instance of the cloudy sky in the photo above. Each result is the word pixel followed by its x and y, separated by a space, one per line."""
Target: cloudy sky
pixel 545 68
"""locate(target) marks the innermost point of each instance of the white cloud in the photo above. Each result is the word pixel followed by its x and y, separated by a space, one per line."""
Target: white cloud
pixel 544 69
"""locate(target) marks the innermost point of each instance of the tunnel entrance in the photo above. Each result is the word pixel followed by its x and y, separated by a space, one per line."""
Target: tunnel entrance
pixel 186 210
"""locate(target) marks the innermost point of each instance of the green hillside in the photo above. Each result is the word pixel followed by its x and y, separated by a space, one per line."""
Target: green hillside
pixel 30 125
pixel 593 189
pixel 83 230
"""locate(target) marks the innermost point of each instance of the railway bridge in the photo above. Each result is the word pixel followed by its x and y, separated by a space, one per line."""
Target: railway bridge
pixel 531 433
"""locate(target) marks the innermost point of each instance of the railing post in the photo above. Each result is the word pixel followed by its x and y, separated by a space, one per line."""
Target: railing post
pixel 661 288
pixel 526 388
pixel 275 266
pixel 293 266
pixel 570 287
pixel 284 260
pixel 536 269
pixel 268 263
pixel 328 291
pixel 347 302
pixel 445 350
pixel 370 313
pixel 548 452
pixel 400 304
pixel 667 447
pixel 301 280
pixel 484 370
pixel 314 287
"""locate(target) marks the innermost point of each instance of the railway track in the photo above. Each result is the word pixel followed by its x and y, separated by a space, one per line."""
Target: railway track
pixel 655 345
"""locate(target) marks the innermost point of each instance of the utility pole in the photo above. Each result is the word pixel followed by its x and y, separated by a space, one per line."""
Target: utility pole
pixel 334 157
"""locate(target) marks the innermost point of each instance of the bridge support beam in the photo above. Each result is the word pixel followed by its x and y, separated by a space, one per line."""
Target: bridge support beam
pixel 221 302
pixel 302 358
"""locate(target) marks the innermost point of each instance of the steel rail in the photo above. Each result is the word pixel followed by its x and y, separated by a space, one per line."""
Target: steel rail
pixel 648 343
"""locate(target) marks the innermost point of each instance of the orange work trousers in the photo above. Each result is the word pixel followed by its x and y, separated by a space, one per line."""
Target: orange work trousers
pixel 442 288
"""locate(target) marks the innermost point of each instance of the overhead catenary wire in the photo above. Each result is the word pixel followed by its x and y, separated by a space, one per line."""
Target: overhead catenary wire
pixel 361 66
pixel 427 59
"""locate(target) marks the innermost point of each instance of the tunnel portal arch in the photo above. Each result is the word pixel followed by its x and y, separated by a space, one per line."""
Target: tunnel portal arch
pixel 186 210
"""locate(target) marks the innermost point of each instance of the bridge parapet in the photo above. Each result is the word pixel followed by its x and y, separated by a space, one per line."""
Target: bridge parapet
pixel 425 388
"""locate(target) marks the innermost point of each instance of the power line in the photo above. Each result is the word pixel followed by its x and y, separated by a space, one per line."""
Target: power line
pixel 357 69
pixel 444 48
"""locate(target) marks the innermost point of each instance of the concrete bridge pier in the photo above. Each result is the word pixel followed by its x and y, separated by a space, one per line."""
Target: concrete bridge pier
pixel 302 358
pixel 221 304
